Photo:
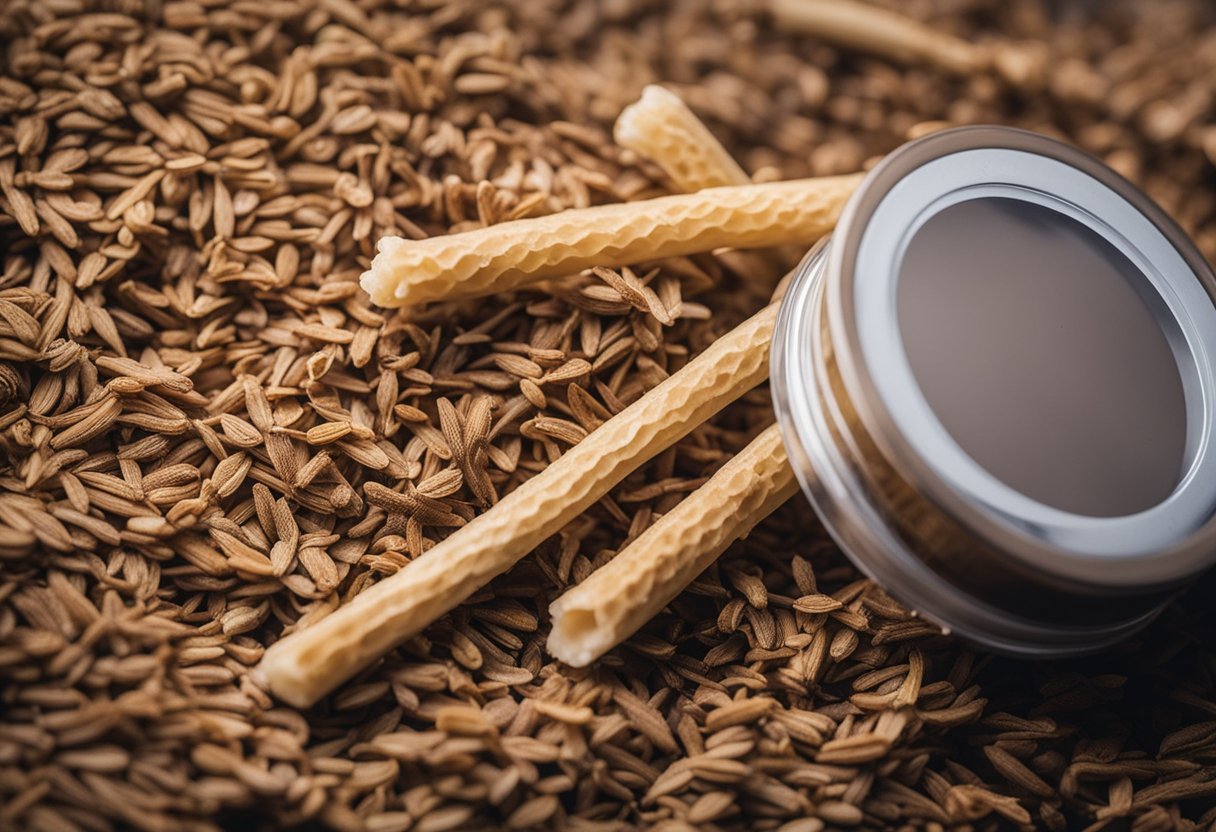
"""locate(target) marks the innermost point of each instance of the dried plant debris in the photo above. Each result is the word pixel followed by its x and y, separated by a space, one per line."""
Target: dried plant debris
pixel 210 437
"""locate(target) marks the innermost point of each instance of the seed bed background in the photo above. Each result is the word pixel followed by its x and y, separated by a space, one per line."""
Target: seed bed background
pixel 209 436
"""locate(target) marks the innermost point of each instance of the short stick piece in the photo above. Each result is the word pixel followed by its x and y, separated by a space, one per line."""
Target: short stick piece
pixel 646 575
pixel 660 127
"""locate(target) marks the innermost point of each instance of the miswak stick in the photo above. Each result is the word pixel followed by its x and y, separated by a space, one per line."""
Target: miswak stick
pixel 660 127
pixel 512 254
pixel 308 664
pixel 890 35
pixel 880 32
pixel 621 596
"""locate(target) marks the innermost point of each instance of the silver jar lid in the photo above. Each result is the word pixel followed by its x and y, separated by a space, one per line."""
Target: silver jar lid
pixel 996 382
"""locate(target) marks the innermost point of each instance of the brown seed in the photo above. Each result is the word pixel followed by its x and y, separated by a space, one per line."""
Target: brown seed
pixel 328 432
pixel 481 83
pixel 817 604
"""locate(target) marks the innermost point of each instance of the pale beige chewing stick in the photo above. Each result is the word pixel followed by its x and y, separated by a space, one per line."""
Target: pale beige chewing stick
pixel 621 596
pixel 310 663
pixel 505 256
pixel 660 127
pixel 880 32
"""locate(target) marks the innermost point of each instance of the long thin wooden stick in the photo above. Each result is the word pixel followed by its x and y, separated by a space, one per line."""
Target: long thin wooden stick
pixel 888 34
pixel 512 254
pixel 310 663
pixel 878 31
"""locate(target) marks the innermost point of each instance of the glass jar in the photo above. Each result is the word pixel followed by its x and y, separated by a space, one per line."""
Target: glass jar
pixel 996 384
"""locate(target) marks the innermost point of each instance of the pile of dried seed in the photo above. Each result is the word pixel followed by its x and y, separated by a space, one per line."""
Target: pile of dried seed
pixel 210 438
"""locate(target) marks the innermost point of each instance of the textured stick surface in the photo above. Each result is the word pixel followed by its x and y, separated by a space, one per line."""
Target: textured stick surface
pixel 879 31
pixel 309 664
pixel 620 597
pixel 502 257
pixel 660 127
